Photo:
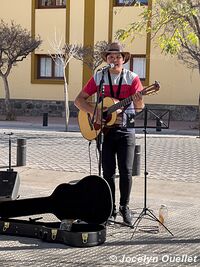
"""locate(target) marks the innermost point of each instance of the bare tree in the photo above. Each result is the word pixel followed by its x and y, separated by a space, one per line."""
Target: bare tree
pixel 63 53
pixel 16 44
pixel 91 55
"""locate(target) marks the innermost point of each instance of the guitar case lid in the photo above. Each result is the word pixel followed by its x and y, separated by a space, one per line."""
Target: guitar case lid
pixel 88 200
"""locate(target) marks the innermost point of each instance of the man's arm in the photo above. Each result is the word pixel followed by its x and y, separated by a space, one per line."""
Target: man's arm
pixel 82 104
pixel 137 96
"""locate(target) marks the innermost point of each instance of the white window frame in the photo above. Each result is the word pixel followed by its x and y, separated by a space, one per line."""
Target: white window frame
pixel 140 69
pixel 139 66
pixel 49 68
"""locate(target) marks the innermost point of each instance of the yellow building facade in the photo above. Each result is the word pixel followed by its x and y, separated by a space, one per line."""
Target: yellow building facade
pixel 37 79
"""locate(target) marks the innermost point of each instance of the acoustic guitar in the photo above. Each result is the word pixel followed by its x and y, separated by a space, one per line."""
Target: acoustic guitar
pixel 88 200
pixel 90 129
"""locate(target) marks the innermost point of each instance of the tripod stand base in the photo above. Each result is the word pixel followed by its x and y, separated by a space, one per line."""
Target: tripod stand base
pixel 147 212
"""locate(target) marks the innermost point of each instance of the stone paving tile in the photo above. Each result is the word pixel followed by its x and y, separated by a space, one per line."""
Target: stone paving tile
pixel 173 159
pixel 121 247
pixel 170 158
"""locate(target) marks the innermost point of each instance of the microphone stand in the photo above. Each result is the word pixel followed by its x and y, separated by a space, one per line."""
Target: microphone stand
pixel 101 136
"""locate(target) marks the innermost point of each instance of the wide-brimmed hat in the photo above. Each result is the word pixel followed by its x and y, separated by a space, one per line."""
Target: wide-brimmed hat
pixel 115 48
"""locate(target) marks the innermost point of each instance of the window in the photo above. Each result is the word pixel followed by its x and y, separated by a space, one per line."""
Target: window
pixel 51 3
pixel 137 64
pixel 49 68
pixel 130 2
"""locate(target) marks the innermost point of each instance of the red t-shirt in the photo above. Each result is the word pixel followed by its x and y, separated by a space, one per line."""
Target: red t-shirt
pixel 130 84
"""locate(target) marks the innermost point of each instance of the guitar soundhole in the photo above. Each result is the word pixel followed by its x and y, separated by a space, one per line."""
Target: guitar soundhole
pixel 108 118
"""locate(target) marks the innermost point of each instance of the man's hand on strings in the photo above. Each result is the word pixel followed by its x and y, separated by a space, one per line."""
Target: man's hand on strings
pixel 98 116
pixel 138 101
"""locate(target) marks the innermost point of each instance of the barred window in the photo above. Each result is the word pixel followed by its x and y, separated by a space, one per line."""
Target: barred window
pixel 51 3
pixel 130 2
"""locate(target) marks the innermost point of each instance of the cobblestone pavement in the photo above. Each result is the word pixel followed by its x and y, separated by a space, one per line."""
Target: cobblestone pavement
pixel 173 163
pixel 168 158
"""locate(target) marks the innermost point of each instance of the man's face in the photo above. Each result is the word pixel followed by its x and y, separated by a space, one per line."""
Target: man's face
pixel 115 58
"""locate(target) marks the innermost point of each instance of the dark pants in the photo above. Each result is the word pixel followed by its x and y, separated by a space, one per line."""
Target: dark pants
pixel 120 143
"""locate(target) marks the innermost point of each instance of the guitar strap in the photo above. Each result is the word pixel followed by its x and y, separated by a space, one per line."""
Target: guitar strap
pixel 119 85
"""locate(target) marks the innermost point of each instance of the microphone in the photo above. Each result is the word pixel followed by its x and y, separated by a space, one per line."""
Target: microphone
pixel 109 66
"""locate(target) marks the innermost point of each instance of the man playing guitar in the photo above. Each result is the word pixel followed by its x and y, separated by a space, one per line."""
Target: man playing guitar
pixel 119 84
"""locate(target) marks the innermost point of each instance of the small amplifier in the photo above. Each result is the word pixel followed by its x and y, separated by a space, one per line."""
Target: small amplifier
pixel 9 185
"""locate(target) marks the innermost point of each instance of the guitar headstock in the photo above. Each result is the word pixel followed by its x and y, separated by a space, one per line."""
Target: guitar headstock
pixel 151 89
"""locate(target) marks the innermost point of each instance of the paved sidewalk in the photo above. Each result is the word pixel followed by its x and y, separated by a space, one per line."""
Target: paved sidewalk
pixel 55 156
pixel 58 124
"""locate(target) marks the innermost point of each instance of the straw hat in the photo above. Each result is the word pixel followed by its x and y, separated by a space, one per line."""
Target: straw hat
pixel 115 48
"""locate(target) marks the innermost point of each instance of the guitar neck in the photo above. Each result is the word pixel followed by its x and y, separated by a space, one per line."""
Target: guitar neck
pixel 25 207
pixel 119 105
pixel 146 91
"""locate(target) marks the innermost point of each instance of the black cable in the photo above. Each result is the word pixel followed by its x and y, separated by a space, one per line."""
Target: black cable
pixel 90 161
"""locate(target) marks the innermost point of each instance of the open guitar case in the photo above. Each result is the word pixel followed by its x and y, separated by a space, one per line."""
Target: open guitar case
pixel 83 208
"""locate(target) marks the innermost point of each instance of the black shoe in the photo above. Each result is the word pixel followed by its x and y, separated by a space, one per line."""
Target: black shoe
pixel 126 214
pixel 111 220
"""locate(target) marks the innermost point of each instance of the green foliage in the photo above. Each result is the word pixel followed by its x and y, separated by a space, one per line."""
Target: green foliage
pixel 175 26
pixel 169 45
pixel 192 37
